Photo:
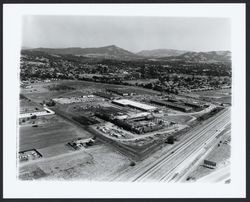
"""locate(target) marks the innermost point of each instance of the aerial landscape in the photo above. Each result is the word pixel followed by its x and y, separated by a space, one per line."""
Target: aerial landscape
pixel 114 113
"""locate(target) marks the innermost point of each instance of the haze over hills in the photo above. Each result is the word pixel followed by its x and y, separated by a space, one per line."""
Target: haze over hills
pixel 211 56
pixel 117 53
pixel 158 53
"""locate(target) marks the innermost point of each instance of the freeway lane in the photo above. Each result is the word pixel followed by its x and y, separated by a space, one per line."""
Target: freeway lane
pixel 187 159
pixel 157 170
pixel 165 170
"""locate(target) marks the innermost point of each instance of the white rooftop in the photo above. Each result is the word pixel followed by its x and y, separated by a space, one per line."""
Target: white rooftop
pixel 135 104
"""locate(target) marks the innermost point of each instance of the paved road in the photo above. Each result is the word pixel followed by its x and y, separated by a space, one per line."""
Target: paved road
pixel 166 167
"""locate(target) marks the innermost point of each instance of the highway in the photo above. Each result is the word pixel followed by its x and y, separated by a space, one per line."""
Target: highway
pixel 169 165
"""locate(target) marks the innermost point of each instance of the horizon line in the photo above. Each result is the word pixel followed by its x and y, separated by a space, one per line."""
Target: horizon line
pixel 135 52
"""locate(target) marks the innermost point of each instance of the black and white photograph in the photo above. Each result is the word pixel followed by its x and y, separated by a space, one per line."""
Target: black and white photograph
pixel 125 99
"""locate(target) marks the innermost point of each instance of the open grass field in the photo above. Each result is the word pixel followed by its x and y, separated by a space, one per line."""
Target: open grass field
pixel 48 134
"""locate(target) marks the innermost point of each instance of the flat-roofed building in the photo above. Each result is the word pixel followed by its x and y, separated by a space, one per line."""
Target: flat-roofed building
pixel 45 112
pixel 134 104
pixel 172 105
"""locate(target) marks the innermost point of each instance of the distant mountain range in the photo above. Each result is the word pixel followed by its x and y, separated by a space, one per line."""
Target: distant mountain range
pixel 107 52
pixel 114 52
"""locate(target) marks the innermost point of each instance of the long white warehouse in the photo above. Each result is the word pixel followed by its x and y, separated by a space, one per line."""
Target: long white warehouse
pixel 138 105
pixel 40 113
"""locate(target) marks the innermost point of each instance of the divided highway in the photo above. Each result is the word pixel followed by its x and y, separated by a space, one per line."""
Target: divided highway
pixel 169 165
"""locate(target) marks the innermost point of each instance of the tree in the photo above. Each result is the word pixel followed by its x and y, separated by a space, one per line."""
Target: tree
pixel 33 117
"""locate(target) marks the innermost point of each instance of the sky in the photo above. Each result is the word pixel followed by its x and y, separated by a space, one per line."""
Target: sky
pixel 131 33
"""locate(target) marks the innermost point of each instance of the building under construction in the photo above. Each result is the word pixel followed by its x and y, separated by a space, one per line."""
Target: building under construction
pixel 143 123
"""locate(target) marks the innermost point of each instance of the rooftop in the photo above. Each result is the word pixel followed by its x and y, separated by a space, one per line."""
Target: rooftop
pixel 134 104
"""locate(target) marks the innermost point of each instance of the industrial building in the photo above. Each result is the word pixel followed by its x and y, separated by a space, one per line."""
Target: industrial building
pixel 134 104
pixel 175 106
pixel 141 123
pixel 46 112
pixel 28 155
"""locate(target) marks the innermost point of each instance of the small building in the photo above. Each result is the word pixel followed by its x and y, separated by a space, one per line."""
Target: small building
pixel 81 143
pixel 209 164
pixel 28 155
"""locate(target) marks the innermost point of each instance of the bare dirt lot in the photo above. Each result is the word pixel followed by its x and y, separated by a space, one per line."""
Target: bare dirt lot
pixel 100 161
pixel 181 119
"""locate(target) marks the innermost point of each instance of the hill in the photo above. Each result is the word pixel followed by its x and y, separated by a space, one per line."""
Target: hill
pixel 106 52
pixel 209 57
pixel 117 53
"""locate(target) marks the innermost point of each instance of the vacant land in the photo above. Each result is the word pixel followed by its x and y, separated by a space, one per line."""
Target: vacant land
pixel 40 91
pixel 181 119
pixel 222 95
pixel 99 160
pixel 27 106
pixel 48 134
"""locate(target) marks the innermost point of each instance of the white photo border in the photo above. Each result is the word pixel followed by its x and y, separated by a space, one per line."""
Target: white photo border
pixel 13 188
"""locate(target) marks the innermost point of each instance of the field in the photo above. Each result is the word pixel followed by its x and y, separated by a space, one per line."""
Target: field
pixel 222 95
pixel 47 134
pixel 40 91
pixel 77 165
pixel 27 106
